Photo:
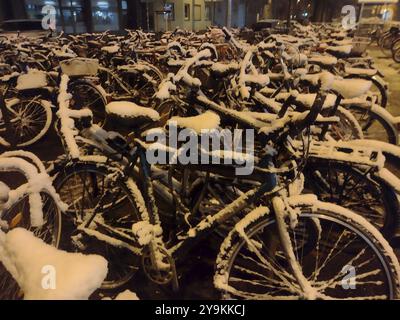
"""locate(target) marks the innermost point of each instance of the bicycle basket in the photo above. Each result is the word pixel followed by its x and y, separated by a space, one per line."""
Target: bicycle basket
pixel 80 67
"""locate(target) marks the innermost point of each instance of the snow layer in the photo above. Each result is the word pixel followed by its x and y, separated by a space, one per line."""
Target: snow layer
pixel 4 190
pixel 127 295
pixel 325 60
pixel 126 109
pixel 32 263
pixel 32 80
pixel 206 121
pixel 124 295
pixel 351 88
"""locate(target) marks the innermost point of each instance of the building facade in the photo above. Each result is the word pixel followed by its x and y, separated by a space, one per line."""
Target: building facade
pixel 77 16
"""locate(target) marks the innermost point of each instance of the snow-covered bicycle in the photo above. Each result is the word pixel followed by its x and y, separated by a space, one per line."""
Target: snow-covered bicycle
pixel 280 246
pixel 33 205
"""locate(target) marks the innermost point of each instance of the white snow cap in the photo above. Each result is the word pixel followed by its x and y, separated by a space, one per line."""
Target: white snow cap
pixel 4 190
pixel 32 80
pixel 207 121
pixel 165 88
pixel 346 49
pixel 124 295
pixel 351 88
pixel 111 49
pixel 126 109
pixel 326 60
pixel 127 295
pixel 32 262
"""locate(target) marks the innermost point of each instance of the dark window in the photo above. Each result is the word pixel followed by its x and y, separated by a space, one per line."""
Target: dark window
pixel 187 11
pixel 208 11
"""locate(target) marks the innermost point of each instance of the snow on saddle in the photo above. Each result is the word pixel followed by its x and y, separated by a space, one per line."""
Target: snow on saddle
pixel 203 122
pixel 323 60
pixel 360 71
pixel 351 88
pixel 130 114
pixel 46 273
pixel 348 88
pixel 4 195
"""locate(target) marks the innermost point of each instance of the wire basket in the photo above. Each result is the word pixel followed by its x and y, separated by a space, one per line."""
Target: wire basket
pixel 80 67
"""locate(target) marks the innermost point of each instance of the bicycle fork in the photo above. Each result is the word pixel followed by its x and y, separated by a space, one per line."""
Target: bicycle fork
pixel 281 212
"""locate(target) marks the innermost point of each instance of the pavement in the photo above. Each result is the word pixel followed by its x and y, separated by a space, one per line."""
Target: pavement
pixel 391 71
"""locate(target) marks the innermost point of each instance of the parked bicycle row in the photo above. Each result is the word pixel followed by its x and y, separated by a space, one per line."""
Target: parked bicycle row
pixel 157 135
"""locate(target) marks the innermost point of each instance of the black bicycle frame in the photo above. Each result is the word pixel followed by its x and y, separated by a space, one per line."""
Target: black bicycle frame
pixel 210 223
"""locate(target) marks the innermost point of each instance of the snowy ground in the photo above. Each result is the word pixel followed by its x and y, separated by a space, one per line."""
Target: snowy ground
pixel 391 70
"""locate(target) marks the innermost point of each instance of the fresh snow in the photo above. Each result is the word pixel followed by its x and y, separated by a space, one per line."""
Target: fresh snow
pixel 351 88
pixel 29 260
pixel 126 109
pixel 32 80
pixel 124 295
pixel 206 121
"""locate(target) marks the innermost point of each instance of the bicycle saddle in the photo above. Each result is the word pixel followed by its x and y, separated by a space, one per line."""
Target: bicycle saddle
pixel 360 71
pixel 351 88
pixel 203 122
pixel 130 114
pixel 111 49
pixel 323 60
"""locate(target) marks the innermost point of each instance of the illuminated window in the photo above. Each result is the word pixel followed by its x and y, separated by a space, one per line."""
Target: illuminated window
pixel 105 15
pixel 169 8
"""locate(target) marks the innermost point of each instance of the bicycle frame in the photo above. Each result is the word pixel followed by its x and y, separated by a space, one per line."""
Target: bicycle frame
pixel 37 181
pixel 268 191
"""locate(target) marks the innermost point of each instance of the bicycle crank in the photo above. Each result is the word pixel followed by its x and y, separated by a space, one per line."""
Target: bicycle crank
pixel 159 267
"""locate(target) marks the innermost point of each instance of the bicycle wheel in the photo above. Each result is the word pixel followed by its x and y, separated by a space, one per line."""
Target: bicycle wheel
pixel 340 254
pixel 386 44
pixel 396 54
pixel 351 188
pixel 84 186
pixel 374 125
pixel 86 95
pixel 144 82
pixel 347 128
pixel 395 44
pixel 49 232
pixel 29 121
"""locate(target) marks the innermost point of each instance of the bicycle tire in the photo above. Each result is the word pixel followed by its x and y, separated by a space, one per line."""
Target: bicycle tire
pixel 319 215
pixel 129 209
